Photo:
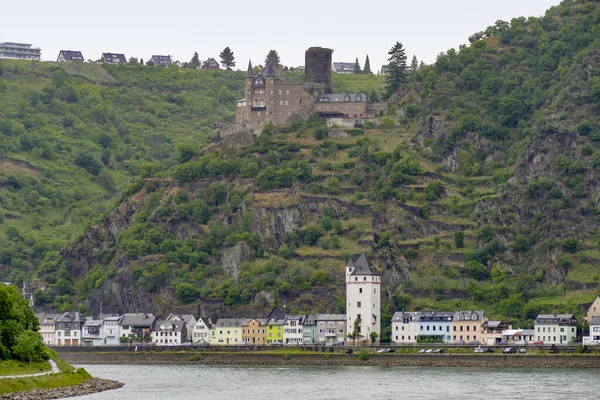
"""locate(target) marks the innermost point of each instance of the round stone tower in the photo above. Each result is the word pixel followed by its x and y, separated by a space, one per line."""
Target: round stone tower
pixel 317 67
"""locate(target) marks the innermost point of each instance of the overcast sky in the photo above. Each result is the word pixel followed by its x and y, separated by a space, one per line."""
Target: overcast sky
pixel 178 28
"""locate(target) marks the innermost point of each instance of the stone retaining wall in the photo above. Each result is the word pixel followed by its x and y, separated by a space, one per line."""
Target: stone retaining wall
pixel 92 386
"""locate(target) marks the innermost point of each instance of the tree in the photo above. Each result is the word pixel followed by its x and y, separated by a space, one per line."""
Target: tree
pixel 357 69
pixel 373 96
pixel 459 239
pixel 29 347
pixel 355 335
pixel 227 58
pixel 141 61
pixel 272 58
pixel 133 60
pixel 195 61
pixel 373 336
pixel 367 68
pixel 396 68
pixel 414 65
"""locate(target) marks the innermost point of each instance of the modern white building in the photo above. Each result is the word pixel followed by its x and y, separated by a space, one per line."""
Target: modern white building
pixel 19 51
pixel 293 331
pixel 405 327
pixel 435 327
pixel 169 333
pixel 363 299
pixel 556 328
pixel 201 331
pixel 91 332
pixel 111 330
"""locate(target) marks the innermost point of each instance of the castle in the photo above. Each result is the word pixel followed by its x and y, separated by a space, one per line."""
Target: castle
pixel 363 298
pixel 271 99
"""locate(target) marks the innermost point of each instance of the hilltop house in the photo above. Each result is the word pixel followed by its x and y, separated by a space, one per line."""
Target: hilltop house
pixel 556 328
pixel 227 331
pixel 343 67
pixel 385 69
pixel 211 63
pixel 405 327
pixel 467 326
pixel 136 326
pixel 68 329
pixel 70 56
pixel 161 61
pixel 435 327
pixel 19 51
pixel 113 58
pixel 201 331
pixel 363 298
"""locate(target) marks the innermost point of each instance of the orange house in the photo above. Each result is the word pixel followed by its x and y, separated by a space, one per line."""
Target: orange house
pixel 253 332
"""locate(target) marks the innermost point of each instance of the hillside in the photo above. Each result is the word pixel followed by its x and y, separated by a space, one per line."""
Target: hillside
pixel 479 190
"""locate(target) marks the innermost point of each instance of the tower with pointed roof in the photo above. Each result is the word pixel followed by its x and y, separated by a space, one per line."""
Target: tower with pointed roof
pixel 363 298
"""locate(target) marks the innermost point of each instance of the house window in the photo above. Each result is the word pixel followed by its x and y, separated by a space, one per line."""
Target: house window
pixel 358 304
pixel 359 290
pixel 279 91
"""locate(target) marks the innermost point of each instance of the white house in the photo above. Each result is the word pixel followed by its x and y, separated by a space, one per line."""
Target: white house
pixel 595 329
pixel 405 327
pixel 363 298
pixel 556 328
pixel 169 333
pixel 67 330
pixel 293 332
pixel 111 330
pixel 91 332
pixel 435 326
pixel 136 326
pixel 201 331
pixel 190 323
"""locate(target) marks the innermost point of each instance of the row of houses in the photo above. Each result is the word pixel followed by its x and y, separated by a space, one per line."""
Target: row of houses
pixel 74 329
pixel 473 327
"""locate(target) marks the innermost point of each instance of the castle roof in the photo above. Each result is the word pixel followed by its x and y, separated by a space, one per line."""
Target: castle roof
pixel 363 267
pixel 271 70
pixel 250 72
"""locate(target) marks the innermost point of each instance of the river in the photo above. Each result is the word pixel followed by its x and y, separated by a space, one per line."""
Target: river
pixel 175 382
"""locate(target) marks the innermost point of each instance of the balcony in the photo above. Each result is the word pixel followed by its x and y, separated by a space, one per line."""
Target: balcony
pixel 259 108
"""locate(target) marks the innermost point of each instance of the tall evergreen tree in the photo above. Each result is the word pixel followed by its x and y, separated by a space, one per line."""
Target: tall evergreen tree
pixel 227 58
pixel 414 65
pixel 357 69
pixel 397 68
pixel 195 61
pixel 272 58
pixel 367 68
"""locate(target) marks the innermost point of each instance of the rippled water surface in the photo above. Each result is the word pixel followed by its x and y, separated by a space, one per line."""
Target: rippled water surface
pixel 175 382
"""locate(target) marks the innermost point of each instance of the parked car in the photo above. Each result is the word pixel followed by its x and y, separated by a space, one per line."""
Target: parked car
pixel 459 342
pixel 437 351
pixel 502 343
pixel 429 351
pixel 386 350
pixel 340 343
pixel 522 351
pixel 382 350
pixel 478 349
pixel 473 342
pixel 422 351
pixel 510 350
pixel 521 343
pixel 538 343
pixel 489 350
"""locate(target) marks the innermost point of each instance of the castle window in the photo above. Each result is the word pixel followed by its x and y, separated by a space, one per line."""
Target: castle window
pixel 279 91
pixel 280 102
pixel 286 102
pixel 358 304
pixel 359 290
pixel 300 102
pixel 287 92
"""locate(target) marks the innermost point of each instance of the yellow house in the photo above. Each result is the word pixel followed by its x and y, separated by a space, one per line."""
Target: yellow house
pixel 254 331
pixel 227 332
pixel 275 326
pixel 467 326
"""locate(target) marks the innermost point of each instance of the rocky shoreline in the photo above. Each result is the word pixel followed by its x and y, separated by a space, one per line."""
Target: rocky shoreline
pixel 94 385
pixel 337 360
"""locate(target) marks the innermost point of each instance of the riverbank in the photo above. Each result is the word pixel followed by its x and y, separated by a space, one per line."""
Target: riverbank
pixel 383 360
pixel 94 385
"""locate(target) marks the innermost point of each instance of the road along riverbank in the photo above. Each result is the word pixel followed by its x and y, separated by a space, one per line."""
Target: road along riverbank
pixel 283 358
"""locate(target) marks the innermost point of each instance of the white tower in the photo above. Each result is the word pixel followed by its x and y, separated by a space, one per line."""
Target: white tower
pixel 363 299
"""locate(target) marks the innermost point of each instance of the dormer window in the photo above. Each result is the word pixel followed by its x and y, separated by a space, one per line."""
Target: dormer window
pixel 347 98
pixel 358 97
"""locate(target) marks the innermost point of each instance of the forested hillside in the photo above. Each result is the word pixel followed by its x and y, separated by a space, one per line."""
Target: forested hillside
pixel 479 189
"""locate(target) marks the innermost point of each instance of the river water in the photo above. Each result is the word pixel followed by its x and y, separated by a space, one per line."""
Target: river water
pixel 175 382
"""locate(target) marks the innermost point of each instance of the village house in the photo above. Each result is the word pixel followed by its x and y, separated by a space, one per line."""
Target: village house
pixel 309 330
pixel 211 63
pixel 113 58
pixel 343 67
pixel 330 329
pixel 594 310
pixel 518 336
pixel 556 328
pixel 68 329
pixel 275 323
pixel 47 327
pixel 254 331
pixel 227 331
pixel 435 326
pixel 190 323
pixel 110 330
pixel 595 329
pixel 169 333
pixel 161 61
pixel 19 51
pixel 201 331
pixel 405 327
pixel 91 332
pixel 293 333
pixel 363 298
pixel 492 332
pixel 136 326
pixel 467 326
pixel 70 56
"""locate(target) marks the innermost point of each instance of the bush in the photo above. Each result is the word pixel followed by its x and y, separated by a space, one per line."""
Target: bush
pixel 88 162
pixel 459 239
pixel 187 292
pixel 321 132
pixel 364 356
pixel 570 245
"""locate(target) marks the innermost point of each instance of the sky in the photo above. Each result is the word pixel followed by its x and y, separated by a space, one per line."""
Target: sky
pixel 351 28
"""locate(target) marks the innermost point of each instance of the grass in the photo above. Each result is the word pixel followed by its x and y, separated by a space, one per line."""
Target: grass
pixel 22 368
pixel 61 379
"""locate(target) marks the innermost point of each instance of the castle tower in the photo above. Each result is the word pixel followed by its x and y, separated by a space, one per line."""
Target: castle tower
pixel 317 67
pixel 363 299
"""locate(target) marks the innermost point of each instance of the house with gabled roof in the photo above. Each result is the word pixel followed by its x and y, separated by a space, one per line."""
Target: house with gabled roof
pixel 227 331
pixel 113 58
pixel 405 327
pixel 363 298
pixel 492 332
pixel 293 332
pixel 254 331
pixel 70 56
pixel 595 329
pixel 189 321
pixel 169 333
pixel 137 326
pixel 68 329
pixel 330 329
pixel 343 67
pixel 467 326
pixel 556 328
pixel 47 327
pixel 435 326
pixel 201 331
pixel 161 61
pixel 275 322
pixel 91 332
pixel 111 329
pixel 309 329
pixel 211 63
pixel 594 310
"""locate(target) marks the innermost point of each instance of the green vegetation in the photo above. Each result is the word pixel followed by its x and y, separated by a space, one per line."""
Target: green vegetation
pixel 12 367
pixel 61 379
